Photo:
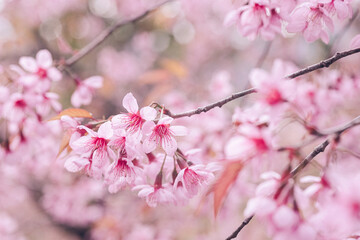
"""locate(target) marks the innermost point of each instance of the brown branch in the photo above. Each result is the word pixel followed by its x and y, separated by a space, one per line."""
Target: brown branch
pixel 337 131
pixel 243 224
pixel 105 34
pixel 319 149
pixel 323 64
pixel 213 105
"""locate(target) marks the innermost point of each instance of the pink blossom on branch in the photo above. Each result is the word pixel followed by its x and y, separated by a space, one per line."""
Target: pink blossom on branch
pixel 41 71
pixel 133 121
pixel 85 90
pixel 162 134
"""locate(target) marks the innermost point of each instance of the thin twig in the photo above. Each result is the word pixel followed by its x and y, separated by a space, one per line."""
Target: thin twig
pixel 105 34
pixel 323 64
pixel 319 149
pixel 337 131
pixel 243 224
pixel 213 105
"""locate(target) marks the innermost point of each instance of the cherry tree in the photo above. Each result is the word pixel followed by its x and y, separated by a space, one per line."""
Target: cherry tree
pixel 180 119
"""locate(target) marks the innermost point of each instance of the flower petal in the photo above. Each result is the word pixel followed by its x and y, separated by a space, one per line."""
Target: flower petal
pixel 94 82
pixel 105 130
pixel 169 145
pixel 76 163
pixel 179 130
pixel 44 59
pixel 29 64
pixel 148 113
pixel 149 145
pixel 130 103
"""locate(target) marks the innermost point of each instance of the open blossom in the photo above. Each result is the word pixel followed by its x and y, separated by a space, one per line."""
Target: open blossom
pixel 256 18
pixel 341 8
pixel 162 133
pixel 133 121
pixel 41 71
pixel 125 145
pixel 120 173
pixel 85 90
pixel 18 107
pixel 156 194
pixel 95 144
pixel 313 20
pixel 192 178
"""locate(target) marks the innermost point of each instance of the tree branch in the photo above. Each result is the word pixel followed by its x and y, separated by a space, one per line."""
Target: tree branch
pixel 213 105
pixel 243 224
pixel 319 149
pixel 105 34
pixel 323 64
pixel 337 131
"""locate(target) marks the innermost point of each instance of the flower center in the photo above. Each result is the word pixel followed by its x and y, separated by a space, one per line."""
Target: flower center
pixel 42 73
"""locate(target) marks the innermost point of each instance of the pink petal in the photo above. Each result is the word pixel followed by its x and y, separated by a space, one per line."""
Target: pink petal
pixel 76 163
pixel 105 130
pixel 119 121
pixel 149 145
pixel 355 42
pixel 169 145
pixel 29 64
pixel 148 113
pixel 81 145
pixel 148 127
pixel 88 130
pixel 44 59
pixel 76 99
pixel 130 103
pixel 165 120
pixel 94 82
pixel 342 10
pixel 54 74
pixel 179 130
pixel 28 80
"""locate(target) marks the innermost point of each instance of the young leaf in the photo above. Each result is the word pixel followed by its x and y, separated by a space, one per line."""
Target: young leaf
pixel 222 185
pixel 73 112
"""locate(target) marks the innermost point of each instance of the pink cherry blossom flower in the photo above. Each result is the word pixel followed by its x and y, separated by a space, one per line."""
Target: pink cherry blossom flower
pixel 257 18
pixel 133 121
pixel 76 163
pixel 119 174
pixel 41 71
pixel 192 178
pixel 95 144
pixel 313 20
pixel 155 194
pixel 162 133
pixel 18 107
pixel 85 90
pixel 341 8
pixel 125 145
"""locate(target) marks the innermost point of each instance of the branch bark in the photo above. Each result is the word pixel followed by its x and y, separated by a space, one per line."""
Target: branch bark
pixel 243 224
pixel 323 64
pixel 337 131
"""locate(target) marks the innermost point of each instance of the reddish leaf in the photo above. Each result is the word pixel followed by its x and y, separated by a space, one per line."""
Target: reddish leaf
pixel 73 112
pixel 222 185
pixel 64 142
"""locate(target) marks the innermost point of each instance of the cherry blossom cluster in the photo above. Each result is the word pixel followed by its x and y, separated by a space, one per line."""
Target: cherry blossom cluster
pixel 314 19
pixel 290 207
pixel 26 100
pixel 122 151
